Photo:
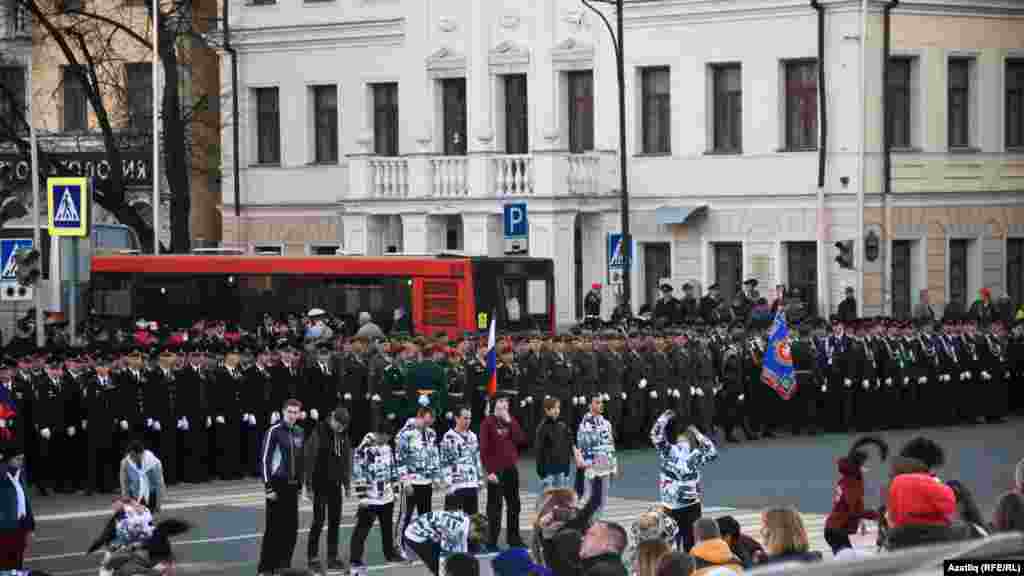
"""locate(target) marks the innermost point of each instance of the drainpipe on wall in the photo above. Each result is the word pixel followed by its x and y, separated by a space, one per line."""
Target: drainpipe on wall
pixel 235 153
pixel 886 161
pixel 823 266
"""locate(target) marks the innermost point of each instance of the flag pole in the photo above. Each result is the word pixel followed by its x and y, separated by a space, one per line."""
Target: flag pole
pixel 156 128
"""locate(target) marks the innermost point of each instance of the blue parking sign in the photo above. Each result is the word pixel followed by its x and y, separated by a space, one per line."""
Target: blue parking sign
pixel 8 250
pixel 516 224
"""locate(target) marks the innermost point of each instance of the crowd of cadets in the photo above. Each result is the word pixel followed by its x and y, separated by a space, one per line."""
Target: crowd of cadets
pixel 201 403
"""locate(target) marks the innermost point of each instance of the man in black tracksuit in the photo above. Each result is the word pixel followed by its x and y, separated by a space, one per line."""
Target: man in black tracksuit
pixel 281 464
pixel 328 470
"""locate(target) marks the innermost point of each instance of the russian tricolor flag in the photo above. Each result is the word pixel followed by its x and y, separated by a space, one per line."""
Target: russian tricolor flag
pixel 492 363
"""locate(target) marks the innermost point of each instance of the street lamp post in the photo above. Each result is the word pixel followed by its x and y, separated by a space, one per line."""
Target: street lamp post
pixel 618 38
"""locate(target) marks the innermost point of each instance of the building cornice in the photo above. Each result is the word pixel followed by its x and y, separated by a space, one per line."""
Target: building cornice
pixel 353 33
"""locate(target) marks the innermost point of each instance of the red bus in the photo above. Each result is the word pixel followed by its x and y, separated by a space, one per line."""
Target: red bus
pixel 444 293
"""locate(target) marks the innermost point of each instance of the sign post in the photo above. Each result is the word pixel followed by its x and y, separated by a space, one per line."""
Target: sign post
pixel 620 255
pixel 517 229
pixel 69 205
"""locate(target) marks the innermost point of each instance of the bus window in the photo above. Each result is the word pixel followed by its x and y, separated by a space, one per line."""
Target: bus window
pixel 111 295
pixel 515 300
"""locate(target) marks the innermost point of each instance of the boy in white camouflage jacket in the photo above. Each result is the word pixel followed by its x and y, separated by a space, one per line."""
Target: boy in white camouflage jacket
pixel 374 478
pixel 682 452
pixel 461 466
pixel 596 443
pixel 435 534
pixel 419 465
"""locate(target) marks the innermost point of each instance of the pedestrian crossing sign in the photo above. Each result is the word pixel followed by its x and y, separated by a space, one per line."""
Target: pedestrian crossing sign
pixel 68 205
pixel 9 248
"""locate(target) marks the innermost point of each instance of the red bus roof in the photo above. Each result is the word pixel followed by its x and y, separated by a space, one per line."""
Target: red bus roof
pixel 309 265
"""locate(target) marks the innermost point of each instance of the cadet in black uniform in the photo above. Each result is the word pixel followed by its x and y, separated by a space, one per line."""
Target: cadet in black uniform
pixel 101 425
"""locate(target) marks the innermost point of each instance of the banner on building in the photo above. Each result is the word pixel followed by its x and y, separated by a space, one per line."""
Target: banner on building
pixel 135 167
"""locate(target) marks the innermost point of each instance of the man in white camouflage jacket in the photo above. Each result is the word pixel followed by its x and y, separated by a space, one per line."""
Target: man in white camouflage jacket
pixel 436 534
pixel 419 465
pixel 596 458
pixel 374 479
pixel 460 465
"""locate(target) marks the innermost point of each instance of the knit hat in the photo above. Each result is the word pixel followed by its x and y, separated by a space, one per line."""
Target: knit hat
pixel 920 499
pixel 517 562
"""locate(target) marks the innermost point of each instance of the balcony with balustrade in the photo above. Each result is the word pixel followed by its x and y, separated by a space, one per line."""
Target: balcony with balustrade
pixel 427 176
pixel 15 21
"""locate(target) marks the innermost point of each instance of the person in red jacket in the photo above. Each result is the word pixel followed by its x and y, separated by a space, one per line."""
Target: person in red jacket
pixel 500 439
pixel 848 500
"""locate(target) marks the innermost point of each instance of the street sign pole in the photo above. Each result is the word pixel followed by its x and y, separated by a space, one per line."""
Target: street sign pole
pixel 73 291
pixel 36 235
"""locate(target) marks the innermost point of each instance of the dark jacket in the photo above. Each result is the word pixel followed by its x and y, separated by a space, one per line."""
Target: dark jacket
pixel 328 457
pixel 562 551
pixel 747 550
pixel 281 461
pixel 801 557
pixel 911 535
pixel 9 503
pixel 612 560
pixel 554 447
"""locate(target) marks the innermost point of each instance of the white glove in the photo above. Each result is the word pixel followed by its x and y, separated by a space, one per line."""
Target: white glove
pixel 642 384
pixel 888 381
pixel 85 424
pixel 624 395
pixel 848 382
pixel 45 433
pixel 906 380
pixel 209 422
pixel 700 392
pixel 922 380
pixel 220 420
pixel 968 373
pixel 376 398
pixel 693 391
pixel 252 419
pixel 275 417
pixel 865 384
pixel 124 425
pixel 986 375
pixel 742 397
pixel 184 421
pixel 314 414
pixel 3 423
pixel 181 423
pixel 654 394
pixel 347 396
pixel 522 404
pixel 71 431
pixel 529 399
pixel 149 422
pixel 156 426
pixel 824 388
pixel 302 415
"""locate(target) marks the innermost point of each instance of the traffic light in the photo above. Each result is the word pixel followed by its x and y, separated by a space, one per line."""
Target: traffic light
pixel 845 257
pixel 28 267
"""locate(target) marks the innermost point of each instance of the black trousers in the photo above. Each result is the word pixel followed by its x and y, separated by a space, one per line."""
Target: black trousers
pixel 365 517
pixel 419 500
pixel 101 465
pixel 428 552
pixel 507 488
pixel 466 500
pixel 685 517
pixel 837 539
pixel 281 530
pixel 326 502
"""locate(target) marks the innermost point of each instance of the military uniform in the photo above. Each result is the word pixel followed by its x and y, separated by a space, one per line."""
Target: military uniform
pixel 195 390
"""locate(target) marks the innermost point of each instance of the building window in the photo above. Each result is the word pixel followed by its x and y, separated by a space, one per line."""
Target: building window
pixel 801 104
pixel 958 271
pixel 75 108
pixel 262 2
pixel 12 100
pixel 324 249
pixel 1015 269
pixel 385 119
pixel 453 109
pixel 728 103
pixel 1015 105
pixel 268 250
pixel 898 114
pixel 268 126
pixel 959 103
pixel 656 111
pixel 517 125
pixel 581 111
pixel 902 275
pixel 139 88
pixel 325 113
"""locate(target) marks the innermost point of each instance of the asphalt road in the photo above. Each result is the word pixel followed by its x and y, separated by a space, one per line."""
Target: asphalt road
pixel 228 517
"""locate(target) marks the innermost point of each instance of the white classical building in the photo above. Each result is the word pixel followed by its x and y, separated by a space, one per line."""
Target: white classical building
pixel 406 125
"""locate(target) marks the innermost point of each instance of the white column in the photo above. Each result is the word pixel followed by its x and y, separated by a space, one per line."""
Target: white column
pixel 479 97
pixel 542 87
pixel 414 233
pixel 355 233
pixel 551 236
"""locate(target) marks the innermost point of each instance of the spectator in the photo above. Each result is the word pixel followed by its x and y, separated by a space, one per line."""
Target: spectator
pixel 648 556
pixel 925 451
pixel 920 510
pixel 748 550
pixel 675 564
pixel 982 310
pixel 848 504
pixel 367 328
pixel 461 564
pixel 558 531
pixel 923 310
pixel 1009 513
pixel 142 477
pixel 554 448
pixel 16 520
pixel 682 452
pixel 437 534
pixel 514 562
pixel 603 543
pixel 500 439
pixel 328 455
pixel 711 554
pixel 282 469
pixel 655 524
pixel 1018 477
pixel 785 538
pixel 967 510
